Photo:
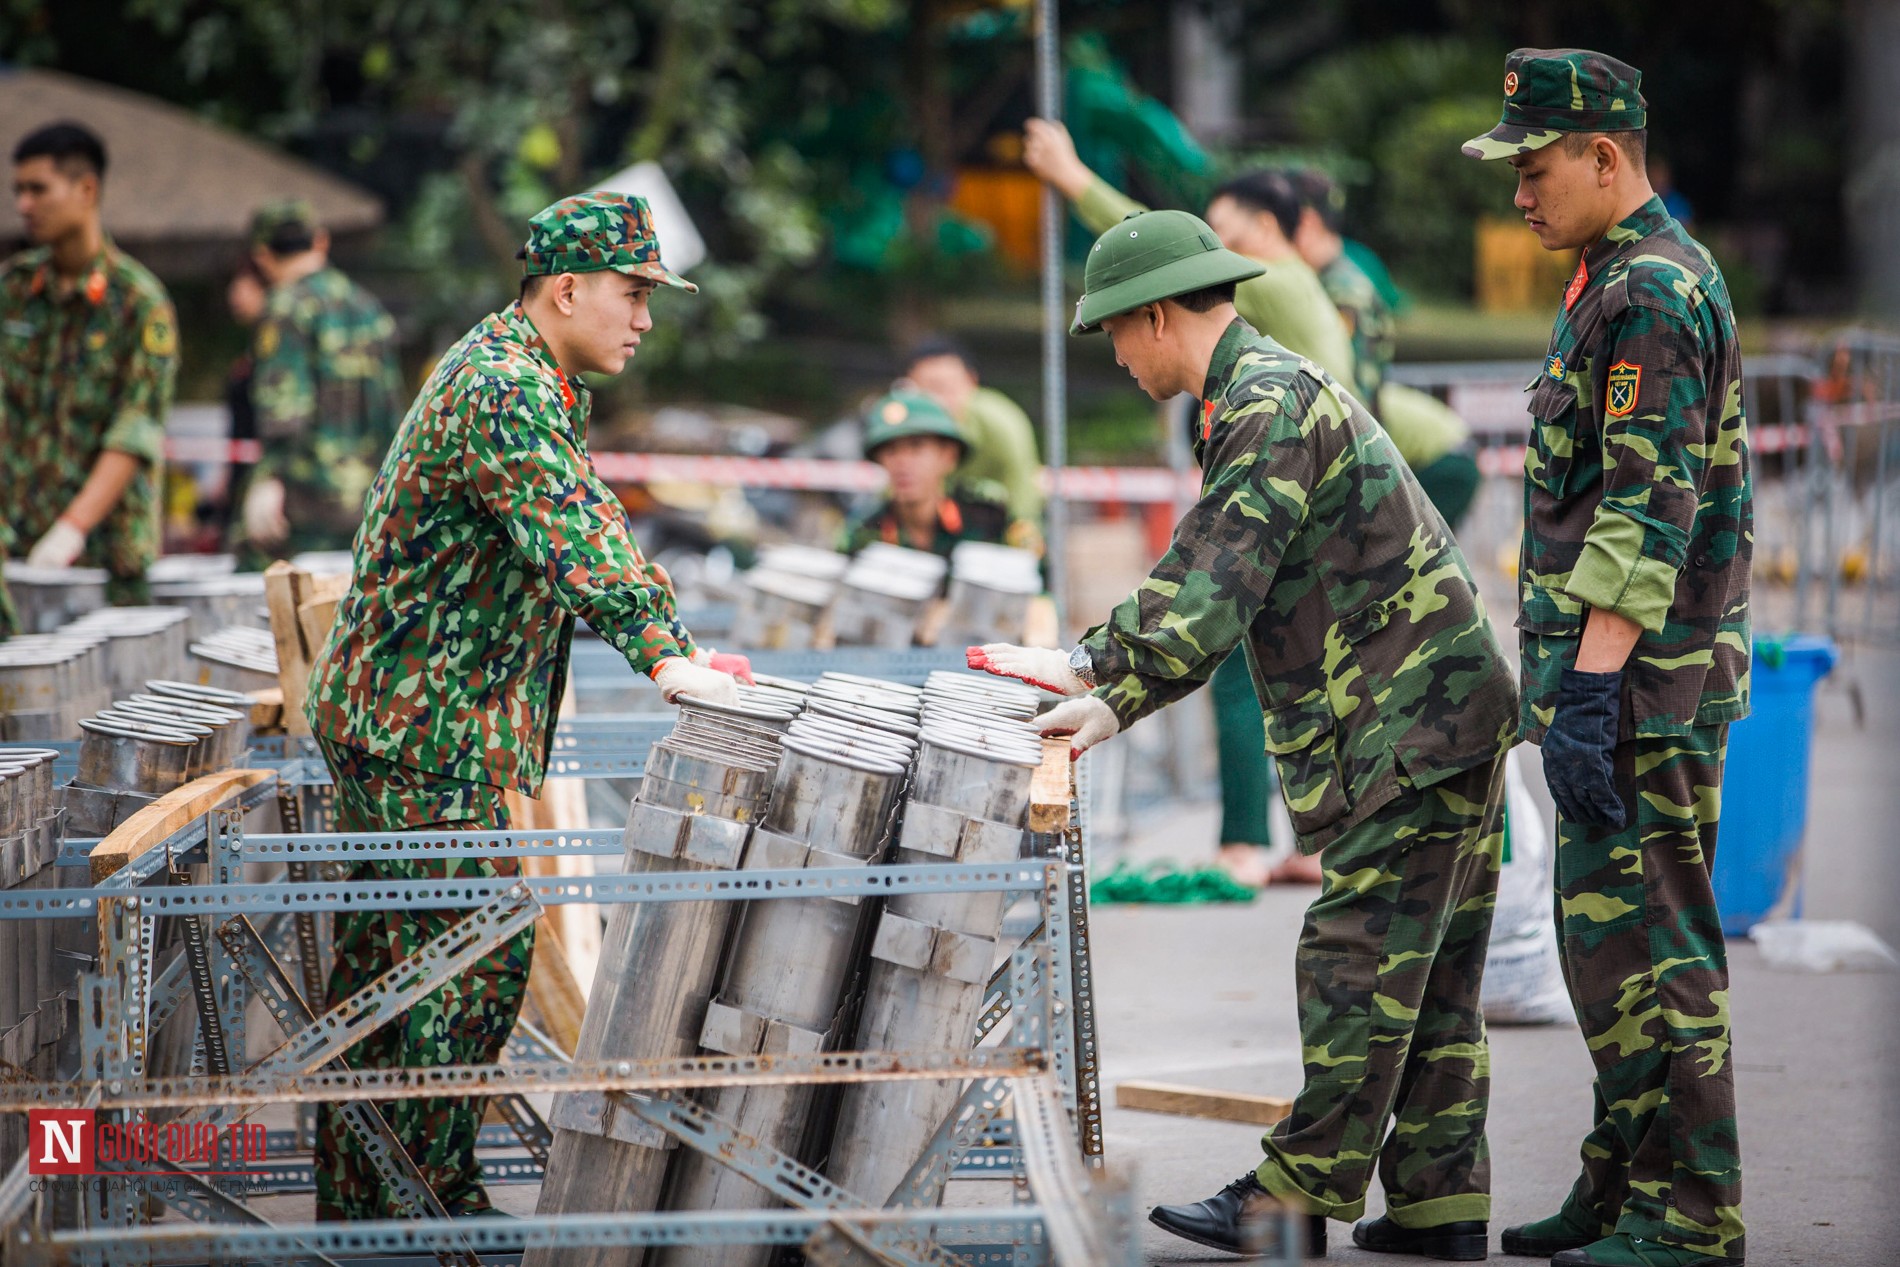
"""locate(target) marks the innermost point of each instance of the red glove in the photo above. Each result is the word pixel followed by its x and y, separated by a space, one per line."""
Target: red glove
pixel 1038 666
pixel 734 663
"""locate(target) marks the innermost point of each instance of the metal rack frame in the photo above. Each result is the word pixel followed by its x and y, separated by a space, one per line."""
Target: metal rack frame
pixel 1046 1069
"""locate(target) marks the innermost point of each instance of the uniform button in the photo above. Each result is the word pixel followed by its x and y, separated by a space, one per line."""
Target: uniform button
pixel 1702 560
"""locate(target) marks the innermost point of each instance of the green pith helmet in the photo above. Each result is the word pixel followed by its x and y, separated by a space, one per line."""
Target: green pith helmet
pixel 903 414
pixel 292 215
pixel 1151 256
pixel 591 232
pixel 1551 91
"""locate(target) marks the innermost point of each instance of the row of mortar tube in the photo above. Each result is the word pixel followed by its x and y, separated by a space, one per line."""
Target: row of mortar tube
pixel 842 765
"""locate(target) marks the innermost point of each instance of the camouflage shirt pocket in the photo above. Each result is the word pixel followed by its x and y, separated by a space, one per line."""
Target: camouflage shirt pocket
pixel 1301 736
pixel 1551 454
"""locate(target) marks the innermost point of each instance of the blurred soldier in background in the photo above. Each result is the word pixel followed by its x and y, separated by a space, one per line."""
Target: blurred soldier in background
pixel 920 448
pixel 1432 439
pixel 1001 440
pixel 88 350
pixel 325 388
pixel 1256 215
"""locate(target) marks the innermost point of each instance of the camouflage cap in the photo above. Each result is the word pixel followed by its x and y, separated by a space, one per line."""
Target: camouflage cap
pixel 601 230
pixel 1150 256
pixel 1551 91
pixel 903 414
pixel 278 220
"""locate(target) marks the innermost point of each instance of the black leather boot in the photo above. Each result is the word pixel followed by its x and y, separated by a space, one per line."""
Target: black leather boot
pixel 1222 1222
pixel 1465 1242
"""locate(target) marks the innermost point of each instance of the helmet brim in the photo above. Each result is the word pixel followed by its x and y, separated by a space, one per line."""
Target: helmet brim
pixel 1197 272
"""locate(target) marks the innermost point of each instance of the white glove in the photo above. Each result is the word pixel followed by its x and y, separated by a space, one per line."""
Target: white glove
pixel 58 548
pixel 677 676
pixel 1037 666
pixel 264 521
pixel 1086 719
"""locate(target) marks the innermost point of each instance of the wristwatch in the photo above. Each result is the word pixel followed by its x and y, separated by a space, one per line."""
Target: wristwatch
pixel 1082 664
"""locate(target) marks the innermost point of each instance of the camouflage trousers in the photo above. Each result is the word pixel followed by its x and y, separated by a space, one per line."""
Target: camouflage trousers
pixel 1390 962
pixel 466 1022
pixel 1648 975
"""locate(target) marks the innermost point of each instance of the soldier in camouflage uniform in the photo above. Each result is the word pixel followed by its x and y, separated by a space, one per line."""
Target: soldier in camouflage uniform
pixel 1635 647
pixel 1256 215
pixel 1388 707
pixel 917 441
pixel 325 386
pixel 486 534
pixel 88 350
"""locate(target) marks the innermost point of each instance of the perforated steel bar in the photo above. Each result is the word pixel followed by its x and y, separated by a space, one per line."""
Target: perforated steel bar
pixel 191 1243
pixel 260 1086
pixel 439 960
pixel 658 886
pixel 793 1182
pixel 960 1131
pixel 398 1174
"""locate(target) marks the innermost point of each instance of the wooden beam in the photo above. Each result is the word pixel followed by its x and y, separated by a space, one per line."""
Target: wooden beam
pixel 284 592
pixel 267 709
pixel 150 826
pixel 1224 1106
pixel 1051 787
pixel 552 989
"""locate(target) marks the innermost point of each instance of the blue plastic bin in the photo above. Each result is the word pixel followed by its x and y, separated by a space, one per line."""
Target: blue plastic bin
pixel 1765 785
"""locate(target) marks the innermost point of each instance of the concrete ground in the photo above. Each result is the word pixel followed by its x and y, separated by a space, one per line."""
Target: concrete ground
pixel 1205 996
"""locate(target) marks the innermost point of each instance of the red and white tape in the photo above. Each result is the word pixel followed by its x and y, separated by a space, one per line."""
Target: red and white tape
pixel 1133 484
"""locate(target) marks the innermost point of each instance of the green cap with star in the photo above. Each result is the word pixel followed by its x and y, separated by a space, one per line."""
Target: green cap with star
pixel 591 232
pixel 1551 91
pixel 903 414
pixel 1151 256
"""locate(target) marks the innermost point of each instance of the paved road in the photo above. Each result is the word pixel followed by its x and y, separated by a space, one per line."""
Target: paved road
pixel 1205 996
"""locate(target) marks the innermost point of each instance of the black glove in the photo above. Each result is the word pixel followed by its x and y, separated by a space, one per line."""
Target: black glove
pixel 1578 764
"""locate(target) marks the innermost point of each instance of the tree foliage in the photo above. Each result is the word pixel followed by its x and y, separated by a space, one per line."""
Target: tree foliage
pixel 532 101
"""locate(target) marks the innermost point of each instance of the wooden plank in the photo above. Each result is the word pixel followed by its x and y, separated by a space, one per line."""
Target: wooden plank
pixel 1224 1106
pixel 1040 626
pixel 1051 788
pixel 329 588
pixel 314 618
pixel 267 709
pixel 284 588
pixel 169 813
pixel 552 989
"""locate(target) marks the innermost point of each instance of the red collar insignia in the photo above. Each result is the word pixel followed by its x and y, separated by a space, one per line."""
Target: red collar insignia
pixel 951 516
pixel 567 393
pixel 1207 417
pixel 96 287
pixel 1577 283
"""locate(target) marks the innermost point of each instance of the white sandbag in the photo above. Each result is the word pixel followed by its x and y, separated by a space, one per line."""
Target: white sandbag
pixel 1523 981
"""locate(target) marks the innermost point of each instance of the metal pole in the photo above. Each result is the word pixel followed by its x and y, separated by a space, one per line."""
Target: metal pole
pixel 1055 322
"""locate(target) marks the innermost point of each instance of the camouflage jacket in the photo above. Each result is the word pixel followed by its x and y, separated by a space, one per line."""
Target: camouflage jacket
pixel 326 389
pixel 83 371
pixel 1637 497
pixel 974 510
pixel 1315 550
pixel 1368 321
pixel 486 533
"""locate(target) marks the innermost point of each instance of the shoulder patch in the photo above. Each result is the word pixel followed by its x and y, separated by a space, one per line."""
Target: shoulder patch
pixel 1625 379
pixel 160 337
